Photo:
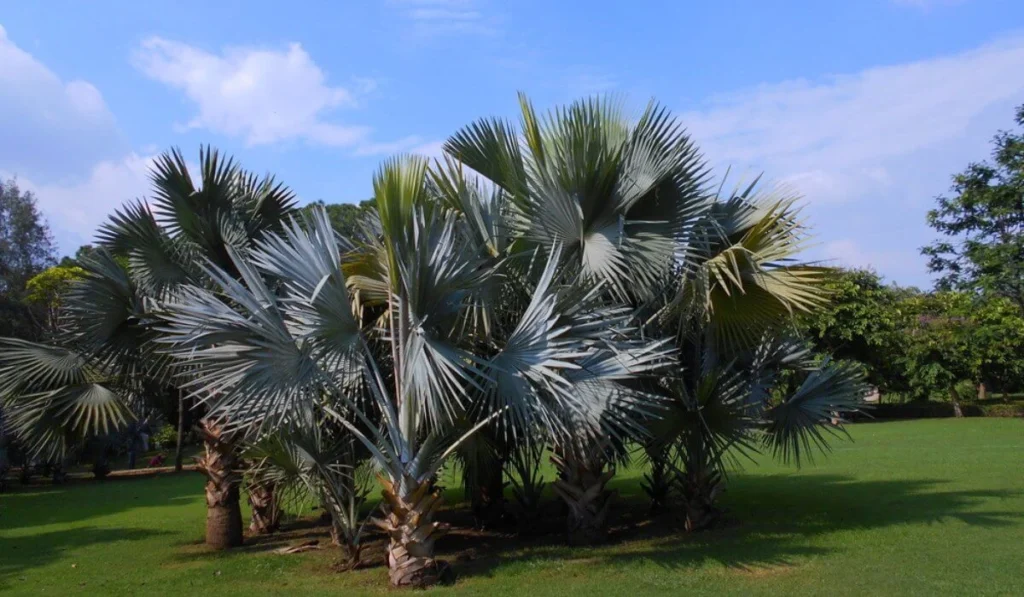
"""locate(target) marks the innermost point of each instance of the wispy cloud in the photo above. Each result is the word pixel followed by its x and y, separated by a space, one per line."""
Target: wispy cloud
pixel 50 126
pixel 927 5
pixel 261 95
pixel 434 18
pixel 413 144
pixel 869 149
pixel 844 130
pixel 589 81
pixel 77 208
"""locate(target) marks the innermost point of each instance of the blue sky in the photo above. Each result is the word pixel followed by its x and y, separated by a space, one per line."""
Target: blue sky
pixel 866 107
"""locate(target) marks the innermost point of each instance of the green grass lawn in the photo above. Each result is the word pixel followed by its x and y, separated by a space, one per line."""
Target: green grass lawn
pixel 921 507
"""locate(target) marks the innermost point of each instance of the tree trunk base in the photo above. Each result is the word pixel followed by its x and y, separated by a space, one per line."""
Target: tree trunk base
pixel 409 524
pixel 700 493
pixel 223 480
pixel 266 514
pixel 584 492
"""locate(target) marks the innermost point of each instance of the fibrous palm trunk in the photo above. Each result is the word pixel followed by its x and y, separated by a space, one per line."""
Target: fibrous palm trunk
pixel 179 448
pixel 487 496
pixel 657 484
pixel 266 513
pixel 583 487
pixel 700 488
pixel 223 481
pixel 409 522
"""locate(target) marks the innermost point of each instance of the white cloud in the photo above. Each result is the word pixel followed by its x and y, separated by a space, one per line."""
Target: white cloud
pixel 264 96
pixel 50 127
pixel 845 129
pixel 870 149
pixel 75 210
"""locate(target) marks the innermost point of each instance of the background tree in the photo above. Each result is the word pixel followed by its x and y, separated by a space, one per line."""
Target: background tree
pixel 961 337
pixel 46 289
pixel 983 224
pixel 26 249
pixel 863 320
pixel 345 217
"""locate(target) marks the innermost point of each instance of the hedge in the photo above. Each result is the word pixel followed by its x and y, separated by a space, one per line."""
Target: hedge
pixel 936 410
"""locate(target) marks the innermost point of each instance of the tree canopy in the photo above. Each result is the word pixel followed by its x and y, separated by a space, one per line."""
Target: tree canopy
pixel 982 223
pixel 344 217
pixel 26 248
pixel 865 320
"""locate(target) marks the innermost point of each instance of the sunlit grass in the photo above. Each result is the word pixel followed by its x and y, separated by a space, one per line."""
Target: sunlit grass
pixel 922 507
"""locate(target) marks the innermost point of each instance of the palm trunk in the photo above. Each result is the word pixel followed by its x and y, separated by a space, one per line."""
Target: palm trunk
pixel 101 465
pixel 700 490
pixel 266 513
pixel 220 465
pixel 179 448
pixel 657 484
pixel 583 488
pixel 410 525
pixel 487 495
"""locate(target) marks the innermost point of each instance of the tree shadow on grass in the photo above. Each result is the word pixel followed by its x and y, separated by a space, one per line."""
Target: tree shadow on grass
pixel 46 505
pixel 769 523
pixel 18 555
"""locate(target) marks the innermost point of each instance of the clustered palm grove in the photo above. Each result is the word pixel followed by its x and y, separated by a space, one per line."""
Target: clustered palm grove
pixel 578 290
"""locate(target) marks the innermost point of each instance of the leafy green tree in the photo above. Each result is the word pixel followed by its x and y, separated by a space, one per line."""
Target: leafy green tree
pixel 48 288
pixel 961 337
pixel 26 248
pixel 864 320
pixel 344 217
pixel 983 222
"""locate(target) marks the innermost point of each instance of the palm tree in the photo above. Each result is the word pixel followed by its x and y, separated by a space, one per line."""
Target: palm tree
pixel 428 361
pixel 628 204
pixel 317 459
pixel 86 382
pixel 617 200
pixel 744 382
pixel 148 250
pixel 168 240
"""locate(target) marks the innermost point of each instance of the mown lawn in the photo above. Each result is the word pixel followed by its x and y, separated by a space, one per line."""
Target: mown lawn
pixel 921 507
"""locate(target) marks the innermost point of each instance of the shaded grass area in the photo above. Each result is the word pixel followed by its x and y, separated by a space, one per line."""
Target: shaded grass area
pixel 921 507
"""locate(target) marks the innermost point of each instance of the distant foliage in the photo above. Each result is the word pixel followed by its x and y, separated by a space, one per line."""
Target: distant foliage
pixel 865 321
pixel 982 223
pixel 26 248
pixel 344 217
pixel 166 437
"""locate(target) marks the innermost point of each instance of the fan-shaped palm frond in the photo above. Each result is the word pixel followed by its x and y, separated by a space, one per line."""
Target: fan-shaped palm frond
pixel 800 422
pixel 617 198
pixel 54 397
